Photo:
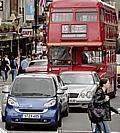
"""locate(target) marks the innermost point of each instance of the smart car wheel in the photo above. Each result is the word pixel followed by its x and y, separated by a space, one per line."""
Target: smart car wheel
pixel 3 118
pixel 59 120
pixel 8 126
pixel 66 112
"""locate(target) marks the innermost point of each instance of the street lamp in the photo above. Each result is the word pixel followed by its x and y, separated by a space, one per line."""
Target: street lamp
pixel 18 47
pixel 35 18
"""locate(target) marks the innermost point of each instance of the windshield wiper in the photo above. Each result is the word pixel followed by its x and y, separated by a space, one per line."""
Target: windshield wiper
pixel 46 94
pixel 35 94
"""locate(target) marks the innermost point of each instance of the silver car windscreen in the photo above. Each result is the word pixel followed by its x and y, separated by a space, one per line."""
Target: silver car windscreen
pixel 84 79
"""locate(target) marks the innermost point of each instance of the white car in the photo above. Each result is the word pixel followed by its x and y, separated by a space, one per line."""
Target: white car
pixel 81 86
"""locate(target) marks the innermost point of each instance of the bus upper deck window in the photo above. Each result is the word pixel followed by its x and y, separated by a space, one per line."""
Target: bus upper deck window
pixel 61 17
pixel 82 16
pixel 86 14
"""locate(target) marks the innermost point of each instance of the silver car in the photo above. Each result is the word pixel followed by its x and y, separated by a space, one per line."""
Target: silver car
pixel 81 86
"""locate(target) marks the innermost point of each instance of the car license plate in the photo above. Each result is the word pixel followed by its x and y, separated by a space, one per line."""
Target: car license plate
pixel 36 116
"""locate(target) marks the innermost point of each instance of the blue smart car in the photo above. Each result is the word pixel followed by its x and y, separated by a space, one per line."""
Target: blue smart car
pixel 33 99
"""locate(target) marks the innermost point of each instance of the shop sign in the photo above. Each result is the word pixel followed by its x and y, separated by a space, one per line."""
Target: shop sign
pixel 27 32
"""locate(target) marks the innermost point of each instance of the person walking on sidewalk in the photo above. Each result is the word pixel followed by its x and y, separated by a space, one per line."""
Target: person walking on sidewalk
pixel 24 64
pixel 14 67
pixel 5 67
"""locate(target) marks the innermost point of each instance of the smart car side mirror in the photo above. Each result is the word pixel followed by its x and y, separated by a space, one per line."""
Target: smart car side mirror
pixel 6 89
pixel 60 92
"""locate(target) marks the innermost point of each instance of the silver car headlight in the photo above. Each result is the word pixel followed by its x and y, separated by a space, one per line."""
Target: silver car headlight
pixel 82 95
pixel 50 103
pixel 13 102
pixel 89 94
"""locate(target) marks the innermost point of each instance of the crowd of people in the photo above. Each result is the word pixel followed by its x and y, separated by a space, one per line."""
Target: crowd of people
pixel 9 66
pixel 16 65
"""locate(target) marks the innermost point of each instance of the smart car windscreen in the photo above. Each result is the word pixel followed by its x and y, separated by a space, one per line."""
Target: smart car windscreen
pixel 33 86
pixel 77 79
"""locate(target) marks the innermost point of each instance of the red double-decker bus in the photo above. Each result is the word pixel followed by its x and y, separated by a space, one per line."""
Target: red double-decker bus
pixel 82 36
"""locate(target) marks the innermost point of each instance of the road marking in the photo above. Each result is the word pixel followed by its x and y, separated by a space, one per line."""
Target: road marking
pixel 0 115
pixel 2 131
pixel 59 130
pixel 114 113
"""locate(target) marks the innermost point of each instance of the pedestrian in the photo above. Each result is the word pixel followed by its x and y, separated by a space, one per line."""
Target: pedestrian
pixel 7 59
pixel 101 99
pixel 5 67
pixel 14 67
pixel 25 63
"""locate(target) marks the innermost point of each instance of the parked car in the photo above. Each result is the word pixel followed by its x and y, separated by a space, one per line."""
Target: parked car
pixel 81 86
pixel 37 66
pixel 36 99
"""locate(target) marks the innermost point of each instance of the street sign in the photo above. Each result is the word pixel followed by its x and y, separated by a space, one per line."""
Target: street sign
pixel 27 31
pixel 1 5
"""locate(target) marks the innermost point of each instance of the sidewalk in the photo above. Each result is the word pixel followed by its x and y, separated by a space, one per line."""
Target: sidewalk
pixel 9 81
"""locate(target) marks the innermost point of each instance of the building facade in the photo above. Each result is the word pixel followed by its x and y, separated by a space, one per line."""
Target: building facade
pixel 5 13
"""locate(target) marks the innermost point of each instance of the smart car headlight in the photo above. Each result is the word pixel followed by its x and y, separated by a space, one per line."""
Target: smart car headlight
pixel 89 94
pixel 50 103
pixel 12 102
